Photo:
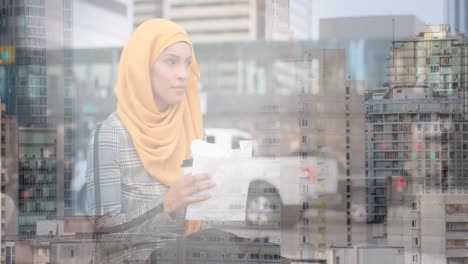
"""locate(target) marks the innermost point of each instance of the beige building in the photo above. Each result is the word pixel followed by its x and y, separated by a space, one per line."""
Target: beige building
pixel 436 58
pixel 366 255
pixel 432 228
pixel 144 10
pixel 222 20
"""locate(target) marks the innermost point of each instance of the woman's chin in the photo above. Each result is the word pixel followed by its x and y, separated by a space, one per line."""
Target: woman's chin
pixel 177 99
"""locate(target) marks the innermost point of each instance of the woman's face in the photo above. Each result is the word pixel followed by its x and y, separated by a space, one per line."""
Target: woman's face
pixel 170 75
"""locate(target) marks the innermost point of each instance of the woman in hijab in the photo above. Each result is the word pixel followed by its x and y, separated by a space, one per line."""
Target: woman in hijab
pixel 135 183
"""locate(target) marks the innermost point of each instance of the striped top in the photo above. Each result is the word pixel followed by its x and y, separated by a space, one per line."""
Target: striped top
pixel 127 192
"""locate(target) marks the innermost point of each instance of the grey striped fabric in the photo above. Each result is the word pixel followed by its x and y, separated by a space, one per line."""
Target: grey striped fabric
pixel 127 191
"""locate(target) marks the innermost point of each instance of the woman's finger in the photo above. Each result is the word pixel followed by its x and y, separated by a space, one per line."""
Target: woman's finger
pixel 201 177
pixel 196 199
pixel 196 188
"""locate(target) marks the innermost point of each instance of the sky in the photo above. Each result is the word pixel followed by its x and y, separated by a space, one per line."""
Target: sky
pixel 429 11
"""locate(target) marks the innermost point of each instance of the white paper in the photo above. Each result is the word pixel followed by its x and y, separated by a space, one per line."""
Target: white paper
pixel 233 171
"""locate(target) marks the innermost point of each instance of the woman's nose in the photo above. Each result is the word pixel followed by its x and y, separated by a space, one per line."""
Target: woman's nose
pixel 183 71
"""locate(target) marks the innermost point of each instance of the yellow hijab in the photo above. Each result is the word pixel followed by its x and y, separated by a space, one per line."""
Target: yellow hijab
pixel 162 139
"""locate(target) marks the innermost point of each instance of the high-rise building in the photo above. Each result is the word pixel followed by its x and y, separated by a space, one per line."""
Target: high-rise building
pixel 38 181
pixel 455 15
pixel 9 177
pixel 300 19
pixel 103 23
pixel 418 117
pixel 366 39
pixel 436 58
pixel 370 27
pixel 241 20
pixel 220 20
pixel 145 10
pixel 38 90
pixel 415 134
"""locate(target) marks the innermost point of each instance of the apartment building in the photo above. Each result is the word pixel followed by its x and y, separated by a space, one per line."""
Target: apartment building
pixel 415 123
pixel 436 57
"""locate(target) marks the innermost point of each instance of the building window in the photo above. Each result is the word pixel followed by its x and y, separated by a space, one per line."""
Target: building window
pixel 415 241
pixel 39 252
pixel 415 258
pixel 320 107
pixel 304 139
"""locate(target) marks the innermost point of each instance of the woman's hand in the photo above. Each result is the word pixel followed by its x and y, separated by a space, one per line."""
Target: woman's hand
pixel 181 193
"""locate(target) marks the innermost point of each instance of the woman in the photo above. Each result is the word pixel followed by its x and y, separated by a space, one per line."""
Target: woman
pixel 141 146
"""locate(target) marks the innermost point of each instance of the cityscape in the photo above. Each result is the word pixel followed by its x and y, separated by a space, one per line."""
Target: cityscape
pixel 362 116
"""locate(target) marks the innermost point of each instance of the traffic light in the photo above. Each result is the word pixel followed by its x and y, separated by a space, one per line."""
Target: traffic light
pixel 400 183
pixel 7 55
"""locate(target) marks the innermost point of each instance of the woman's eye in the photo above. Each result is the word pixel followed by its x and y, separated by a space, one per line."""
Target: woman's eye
pixel 170 62
pixel 188 63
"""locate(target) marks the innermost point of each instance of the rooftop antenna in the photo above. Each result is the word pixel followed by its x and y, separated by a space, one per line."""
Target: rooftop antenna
pixel 393 41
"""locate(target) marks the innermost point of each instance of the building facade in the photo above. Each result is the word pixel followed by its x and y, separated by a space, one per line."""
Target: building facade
pixel 91 20
pixel 38 178
pixel 9 177
pixel 37 87
pixel 415 123
pixel 437 58
pixel 414 133
pixel 146 10
pixel 431 228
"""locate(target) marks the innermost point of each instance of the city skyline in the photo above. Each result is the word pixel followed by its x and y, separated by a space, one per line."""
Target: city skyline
pixel 373 117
